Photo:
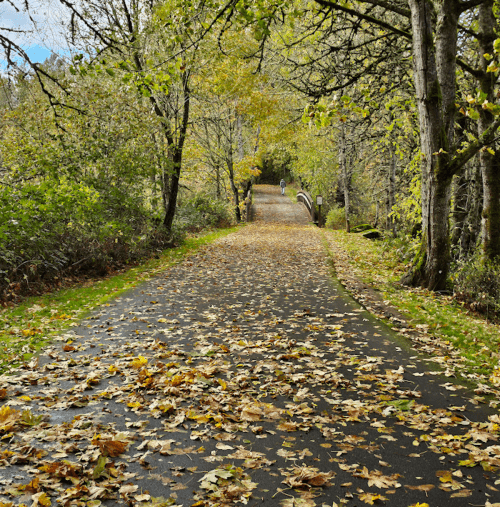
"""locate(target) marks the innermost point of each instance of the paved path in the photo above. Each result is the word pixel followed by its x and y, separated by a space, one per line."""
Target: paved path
pixel 271 207
pixel 242 376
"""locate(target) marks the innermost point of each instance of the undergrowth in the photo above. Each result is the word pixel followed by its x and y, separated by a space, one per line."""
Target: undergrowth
pixel 27 327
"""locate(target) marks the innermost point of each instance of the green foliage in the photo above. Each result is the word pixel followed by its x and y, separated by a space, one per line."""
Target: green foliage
pixel 275 165
pixel 403 247
pixel 55 227
pixel 476 283
pixel 408 208
pixel 202 212
pixel 335 219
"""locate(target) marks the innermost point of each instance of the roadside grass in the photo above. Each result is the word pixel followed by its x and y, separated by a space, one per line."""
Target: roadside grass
pixel 31 325
pixel 292 190
pixel 476 340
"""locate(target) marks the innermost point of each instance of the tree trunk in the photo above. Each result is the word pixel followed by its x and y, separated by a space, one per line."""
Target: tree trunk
pixel 461 198
pixel 217 181
pixel 234 189
pixel 434 75
pixel 171 189
pixel 239 137
pixel 345 178
pixel 490 162
pixel 391 190
pixel 472 223
pixel 175 151
pixel 490 226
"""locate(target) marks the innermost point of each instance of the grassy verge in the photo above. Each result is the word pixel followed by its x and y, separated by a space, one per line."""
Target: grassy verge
pixel 474 340
pixel 29 326
pixel 291 191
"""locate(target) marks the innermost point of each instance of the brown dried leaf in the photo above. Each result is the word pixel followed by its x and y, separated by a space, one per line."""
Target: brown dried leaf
pixel 111 448
pixel 422 487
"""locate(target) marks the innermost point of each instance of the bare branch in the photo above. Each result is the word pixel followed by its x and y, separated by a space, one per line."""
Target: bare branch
pixel 387 26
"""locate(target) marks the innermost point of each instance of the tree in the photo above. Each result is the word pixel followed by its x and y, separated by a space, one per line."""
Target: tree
pixel 235 106
pixel 152 44
pixel 434 37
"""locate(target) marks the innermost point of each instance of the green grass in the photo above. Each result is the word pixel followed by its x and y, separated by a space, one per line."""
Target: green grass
pixel 476 341
pixel 292 190
pixel 31 325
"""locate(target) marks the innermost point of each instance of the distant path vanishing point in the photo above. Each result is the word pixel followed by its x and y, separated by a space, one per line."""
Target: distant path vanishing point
pixel 270 206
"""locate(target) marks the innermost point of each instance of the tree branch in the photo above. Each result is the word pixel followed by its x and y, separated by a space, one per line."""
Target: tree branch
pixel 390 7
pixel 465 66
pixel 487 138
pixel 365 17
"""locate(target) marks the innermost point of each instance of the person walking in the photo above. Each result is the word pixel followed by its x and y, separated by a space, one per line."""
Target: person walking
pixel 282 185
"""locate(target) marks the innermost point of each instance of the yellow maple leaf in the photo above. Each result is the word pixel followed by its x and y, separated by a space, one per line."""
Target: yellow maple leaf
pixel 41 499
pixel 370 498
pixel 8 417
pixel 139 362
pixel 444 476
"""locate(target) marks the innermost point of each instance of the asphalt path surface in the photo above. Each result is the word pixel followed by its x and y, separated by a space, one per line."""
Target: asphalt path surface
pixel 244 375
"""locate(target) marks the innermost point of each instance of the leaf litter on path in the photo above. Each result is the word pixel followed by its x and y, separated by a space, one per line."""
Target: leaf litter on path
pixel 242 375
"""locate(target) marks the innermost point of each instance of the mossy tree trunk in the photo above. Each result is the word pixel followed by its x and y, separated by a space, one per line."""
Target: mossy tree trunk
pixel 434 53
pixel 461 199
pixel 472 224
pixel 489 158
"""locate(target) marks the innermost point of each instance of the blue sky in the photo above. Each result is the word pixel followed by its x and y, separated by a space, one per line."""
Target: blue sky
pixel 38 54
pixel 43 37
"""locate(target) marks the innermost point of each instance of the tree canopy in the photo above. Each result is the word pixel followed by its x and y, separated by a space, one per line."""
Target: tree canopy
pixel 388 108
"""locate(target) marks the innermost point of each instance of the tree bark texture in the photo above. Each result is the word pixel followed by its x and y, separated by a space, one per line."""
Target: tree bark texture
pixel 175 144
pixel 472 223
pixel 461 197
pixel 490 162
pixel 345 177
pixel 234 189
pixel 434 53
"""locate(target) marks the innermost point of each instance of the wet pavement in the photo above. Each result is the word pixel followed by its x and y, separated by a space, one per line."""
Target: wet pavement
pixel 243 376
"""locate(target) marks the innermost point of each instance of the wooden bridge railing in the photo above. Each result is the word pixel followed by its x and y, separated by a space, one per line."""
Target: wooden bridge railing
pixel 306 198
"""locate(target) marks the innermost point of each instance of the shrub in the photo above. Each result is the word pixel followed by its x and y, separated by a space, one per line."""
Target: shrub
pixel 335 219
pixel 477 285
pixel 201 212
pixel 404 246
pixel 51 228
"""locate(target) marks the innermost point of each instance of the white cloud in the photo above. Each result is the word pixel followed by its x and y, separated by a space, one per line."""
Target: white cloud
pixel 41 26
